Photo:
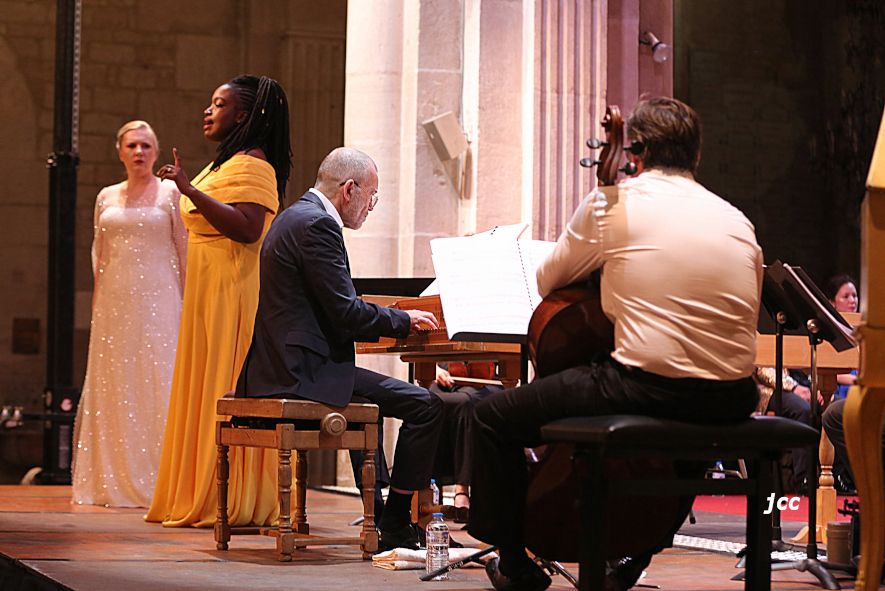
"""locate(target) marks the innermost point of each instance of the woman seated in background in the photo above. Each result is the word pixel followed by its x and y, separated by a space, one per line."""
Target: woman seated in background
pixel 841 290
pixel 460 386
pixel 842 293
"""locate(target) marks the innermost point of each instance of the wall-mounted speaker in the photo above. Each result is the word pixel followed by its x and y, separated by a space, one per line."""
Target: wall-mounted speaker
pixel 446 136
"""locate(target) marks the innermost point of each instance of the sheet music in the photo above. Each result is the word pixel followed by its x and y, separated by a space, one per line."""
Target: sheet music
pixel 533 253
pixel 486 286
pixel 507 232
pixel 511 231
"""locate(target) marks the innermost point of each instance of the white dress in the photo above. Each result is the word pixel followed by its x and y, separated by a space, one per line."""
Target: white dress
pixel 135 315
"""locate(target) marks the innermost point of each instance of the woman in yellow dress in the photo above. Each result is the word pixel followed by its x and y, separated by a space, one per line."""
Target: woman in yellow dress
pixel 227 212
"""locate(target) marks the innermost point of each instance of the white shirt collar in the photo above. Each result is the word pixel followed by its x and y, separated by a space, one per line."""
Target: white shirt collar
pixel 330 209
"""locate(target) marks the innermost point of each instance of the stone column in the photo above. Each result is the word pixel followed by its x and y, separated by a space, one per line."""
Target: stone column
pixel 379 118
pixel 570 83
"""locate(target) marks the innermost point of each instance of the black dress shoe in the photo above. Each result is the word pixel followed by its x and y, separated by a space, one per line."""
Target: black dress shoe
pixel 401 537
pixel 625 572
pixel 533 579
pixel 845 486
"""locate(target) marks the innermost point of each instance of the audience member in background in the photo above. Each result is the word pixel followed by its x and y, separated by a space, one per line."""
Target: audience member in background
pixel 796 405
pixel 841 290
pixel 456 387
pixel 227 211
pixel 138 263
pixel 842 293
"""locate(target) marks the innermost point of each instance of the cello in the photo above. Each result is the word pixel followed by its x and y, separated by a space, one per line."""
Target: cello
pixel 569 329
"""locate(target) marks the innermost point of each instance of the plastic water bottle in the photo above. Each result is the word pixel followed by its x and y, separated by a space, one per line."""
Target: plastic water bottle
pixel 435 494
pixel 437 546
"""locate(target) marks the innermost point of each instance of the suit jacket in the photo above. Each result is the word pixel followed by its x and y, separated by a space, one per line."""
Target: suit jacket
pixel 309 315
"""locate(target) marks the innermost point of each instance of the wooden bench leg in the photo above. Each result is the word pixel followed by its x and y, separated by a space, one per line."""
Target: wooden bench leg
pixel 285 537
pixel 757 576
pixel 222 527
pixel 369 534
pixel 301 525
pixel 593 503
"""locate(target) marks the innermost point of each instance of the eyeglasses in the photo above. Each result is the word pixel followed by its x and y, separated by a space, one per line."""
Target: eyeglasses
pixel 373 199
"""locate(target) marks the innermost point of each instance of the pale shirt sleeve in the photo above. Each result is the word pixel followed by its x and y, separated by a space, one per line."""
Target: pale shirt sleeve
pixel 179 235
pixel 578 251
pixel 97 238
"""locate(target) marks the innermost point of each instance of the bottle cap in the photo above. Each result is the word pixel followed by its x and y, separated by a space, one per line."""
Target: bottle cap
pixel 432 481
pixel 435 515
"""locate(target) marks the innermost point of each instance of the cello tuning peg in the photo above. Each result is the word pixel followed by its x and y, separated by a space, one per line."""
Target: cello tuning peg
pixel 589 162
pixel 629 168
pixel 594 144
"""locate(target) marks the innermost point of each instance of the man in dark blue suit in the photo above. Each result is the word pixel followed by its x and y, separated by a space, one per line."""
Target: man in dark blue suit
pixel 309 317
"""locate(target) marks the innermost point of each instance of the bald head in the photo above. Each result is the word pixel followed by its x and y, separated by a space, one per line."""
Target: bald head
pixel 349 180
pixel 342 164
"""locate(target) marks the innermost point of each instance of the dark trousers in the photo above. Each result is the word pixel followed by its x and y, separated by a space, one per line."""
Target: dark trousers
pixel 421 413
pixel 795 407
pixel 833 425
pixel 508 421
pixel 453 455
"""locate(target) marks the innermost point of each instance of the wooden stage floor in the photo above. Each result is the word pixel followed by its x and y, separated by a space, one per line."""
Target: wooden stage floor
pixel 46 543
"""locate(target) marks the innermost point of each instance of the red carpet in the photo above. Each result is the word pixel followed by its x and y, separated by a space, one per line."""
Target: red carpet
pixel 733 505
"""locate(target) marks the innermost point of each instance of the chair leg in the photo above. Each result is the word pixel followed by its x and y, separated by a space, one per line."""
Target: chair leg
pixel 222 527
pixel 369 534
pixel 591 568
pixel 285 537
pixel 301 525
pixel 758 571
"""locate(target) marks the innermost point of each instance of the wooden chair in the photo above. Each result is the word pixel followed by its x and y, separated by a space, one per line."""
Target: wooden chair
pixel 759 440
pixel 299 425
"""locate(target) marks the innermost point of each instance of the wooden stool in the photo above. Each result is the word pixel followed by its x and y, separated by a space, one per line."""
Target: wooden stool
pixel 299 425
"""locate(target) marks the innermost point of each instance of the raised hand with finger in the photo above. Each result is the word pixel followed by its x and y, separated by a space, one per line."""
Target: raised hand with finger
pixel 176 173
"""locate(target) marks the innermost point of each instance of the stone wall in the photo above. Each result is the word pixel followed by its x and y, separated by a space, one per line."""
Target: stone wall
pixel 790 95
pixel 159 61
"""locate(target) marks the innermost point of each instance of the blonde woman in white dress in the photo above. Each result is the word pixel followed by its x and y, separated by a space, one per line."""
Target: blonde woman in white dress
pixel 138 264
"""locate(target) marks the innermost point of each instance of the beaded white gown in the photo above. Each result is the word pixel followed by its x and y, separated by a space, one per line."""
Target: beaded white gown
pixel 135 315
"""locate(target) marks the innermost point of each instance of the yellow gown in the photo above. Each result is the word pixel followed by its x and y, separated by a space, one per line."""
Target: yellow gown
pixel 220 300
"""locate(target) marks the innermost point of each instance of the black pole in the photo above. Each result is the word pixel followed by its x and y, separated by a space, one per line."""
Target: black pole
pixel 60 396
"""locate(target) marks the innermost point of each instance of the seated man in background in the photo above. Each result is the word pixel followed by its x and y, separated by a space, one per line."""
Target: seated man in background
pixel 795 404
pixel 681 281
pixel 833 424
pixel 309 317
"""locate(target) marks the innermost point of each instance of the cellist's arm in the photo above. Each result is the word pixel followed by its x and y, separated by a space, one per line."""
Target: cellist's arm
pixel 578 251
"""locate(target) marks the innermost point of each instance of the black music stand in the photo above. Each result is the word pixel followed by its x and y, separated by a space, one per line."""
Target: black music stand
pixel 782 318
pixel 795 302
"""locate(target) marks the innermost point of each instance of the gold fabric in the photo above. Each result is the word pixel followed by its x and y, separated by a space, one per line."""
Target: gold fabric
pixel 220 300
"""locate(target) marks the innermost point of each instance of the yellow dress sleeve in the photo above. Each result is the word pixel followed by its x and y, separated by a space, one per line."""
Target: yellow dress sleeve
pixel 242 179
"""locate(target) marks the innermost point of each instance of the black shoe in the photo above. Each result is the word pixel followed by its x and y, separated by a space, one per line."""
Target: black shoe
pixel 844 485
pixel 624 573
pixel 533 579
pixel 401 537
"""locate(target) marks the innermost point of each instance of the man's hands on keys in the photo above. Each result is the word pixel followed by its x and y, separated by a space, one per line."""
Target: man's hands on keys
pixel 421 321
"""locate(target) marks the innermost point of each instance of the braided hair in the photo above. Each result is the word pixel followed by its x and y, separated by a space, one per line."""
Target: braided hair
pixel 266 126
